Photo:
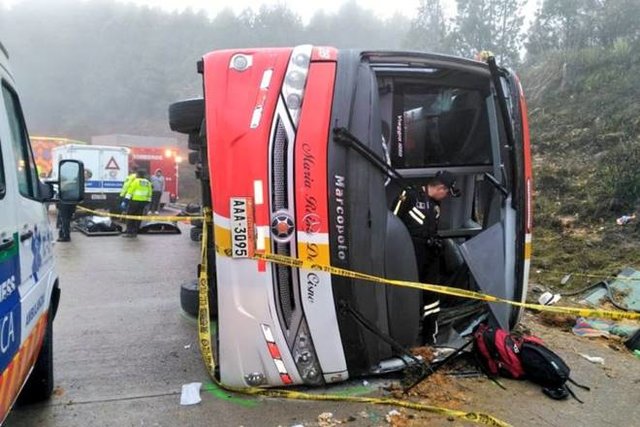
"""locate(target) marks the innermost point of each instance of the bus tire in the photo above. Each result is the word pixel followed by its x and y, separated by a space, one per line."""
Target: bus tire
pixel 39 386
pixel 186 116
pixel 189 301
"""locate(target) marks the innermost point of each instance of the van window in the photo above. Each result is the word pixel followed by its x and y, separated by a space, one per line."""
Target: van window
pixel 25 166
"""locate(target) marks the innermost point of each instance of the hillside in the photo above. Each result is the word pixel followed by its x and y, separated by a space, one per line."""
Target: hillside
pixel 585 127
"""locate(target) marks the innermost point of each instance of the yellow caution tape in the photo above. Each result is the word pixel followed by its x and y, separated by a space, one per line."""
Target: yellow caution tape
pixel 446 290
pixel 141 217
pixel 206 351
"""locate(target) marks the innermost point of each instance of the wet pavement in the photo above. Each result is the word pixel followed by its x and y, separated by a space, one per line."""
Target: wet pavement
pixel 123 349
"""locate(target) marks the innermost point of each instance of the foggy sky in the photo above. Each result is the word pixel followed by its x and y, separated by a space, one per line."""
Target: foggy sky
pixel 304 8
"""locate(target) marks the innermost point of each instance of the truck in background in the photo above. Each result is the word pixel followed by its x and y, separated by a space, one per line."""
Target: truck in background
pixel 105 169
pixel 150 153
pixel 42 146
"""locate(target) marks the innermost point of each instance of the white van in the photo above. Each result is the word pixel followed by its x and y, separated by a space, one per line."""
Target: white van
pixel 106 169
pixel 29 288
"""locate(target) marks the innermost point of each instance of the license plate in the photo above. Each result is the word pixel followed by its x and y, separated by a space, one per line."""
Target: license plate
pixel 98 197
pixel 242 227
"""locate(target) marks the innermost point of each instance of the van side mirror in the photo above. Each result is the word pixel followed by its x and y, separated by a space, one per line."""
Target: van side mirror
pixel 71 181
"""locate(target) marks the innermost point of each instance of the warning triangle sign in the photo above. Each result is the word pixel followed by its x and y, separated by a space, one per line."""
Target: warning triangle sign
pixel 112 164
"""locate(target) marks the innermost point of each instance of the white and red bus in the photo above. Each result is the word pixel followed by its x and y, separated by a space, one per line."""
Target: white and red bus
pixel 296 146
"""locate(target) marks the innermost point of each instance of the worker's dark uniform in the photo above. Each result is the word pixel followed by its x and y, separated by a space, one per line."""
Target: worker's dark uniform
pixel 65 213
pixel 421 214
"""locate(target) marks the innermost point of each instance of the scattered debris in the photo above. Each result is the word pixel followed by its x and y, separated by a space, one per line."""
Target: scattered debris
pixel 187 347
pixel 538 289
pixel 397 419
pixel 424 353
pixel 365 383
pixel 602 328
pixel 565 279
pixel 623 291
pixel 625 219
pixel 190 394
pixel 548 298
pixel 593 359
pixel 633 343
pixel 557 320
pixel 326 419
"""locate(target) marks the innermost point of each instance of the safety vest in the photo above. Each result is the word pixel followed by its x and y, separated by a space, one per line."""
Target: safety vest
pixel 139 190
pixel 125 185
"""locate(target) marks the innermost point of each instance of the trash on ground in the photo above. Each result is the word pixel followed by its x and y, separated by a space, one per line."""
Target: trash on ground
pixel 325 419
pixel 392 415
pixel 637 353
pixel 591 328
pixel 593 359
pixel 565 279
pixel 625 219
pixel 633 343
pixel 190 394
pixel 623 291
pixel 187 347
pixel 548 298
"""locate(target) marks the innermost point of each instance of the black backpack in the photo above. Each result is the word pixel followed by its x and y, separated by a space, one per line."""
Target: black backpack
pixel 544 367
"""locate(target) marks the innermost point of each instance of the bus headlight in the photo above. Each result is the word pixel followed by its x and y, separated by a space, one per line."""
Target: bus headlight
pixel 295 80
pixel 305 357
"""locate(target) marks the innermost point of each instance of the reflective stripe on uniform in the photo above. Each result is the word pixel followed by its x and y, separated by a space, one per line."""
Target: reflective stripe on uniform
pixel 416 218
pixel 400 200
pixel 419 213
pixel 432 305
pixel 434 311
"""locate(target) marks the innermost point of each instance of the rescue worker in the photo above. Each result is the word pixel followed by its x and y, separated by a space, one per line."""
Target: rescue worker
pixel 157 181
pixel 123 191
pixel 138 195
pixel 419 210
pixel 65 213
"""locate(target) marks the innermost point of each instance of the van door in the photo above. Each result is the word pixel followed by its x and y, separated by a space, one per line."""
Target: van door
pixel 9 263
pixel 33 236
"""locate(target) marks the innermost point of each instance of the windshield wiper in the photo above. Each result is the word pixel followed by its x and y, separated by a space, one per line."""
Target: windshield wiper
pixel 343 136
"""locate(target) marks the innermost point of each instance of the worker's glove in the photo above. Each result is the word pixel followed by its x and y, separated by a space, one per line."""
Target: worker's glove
pixel 124 205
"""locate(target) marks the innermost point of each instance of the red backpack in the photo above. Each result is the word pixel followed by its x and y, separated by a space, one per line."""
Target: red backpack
pixel 499 352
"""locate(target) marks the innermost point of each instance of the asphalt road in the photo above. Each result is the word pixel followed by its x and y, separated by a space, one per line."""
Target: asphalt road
pixel 123 349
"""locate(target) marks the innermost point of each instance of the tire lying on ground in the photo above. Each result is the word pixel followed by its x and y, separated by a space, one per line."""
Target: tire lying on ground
pixel 186 116
pixel 189 299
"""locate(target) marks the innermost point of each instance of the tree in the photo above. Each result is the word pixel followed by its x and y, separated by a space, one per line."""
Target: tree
pixel 564 25
pixel 494 25
pixel 429 30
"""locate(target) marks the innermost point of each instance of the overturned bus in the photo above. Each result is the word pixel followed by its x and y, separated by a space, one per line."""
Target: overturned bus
pixel 295 148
